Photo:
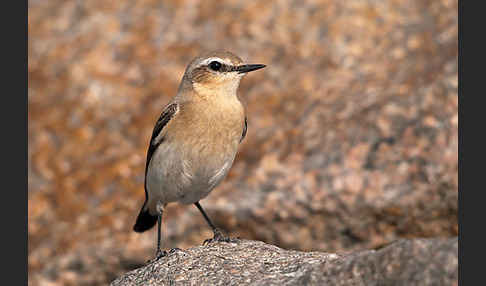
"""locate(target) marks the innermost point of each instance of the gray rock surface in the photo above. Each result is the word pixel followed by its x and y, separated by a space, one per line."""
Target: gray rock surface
pixel 246 262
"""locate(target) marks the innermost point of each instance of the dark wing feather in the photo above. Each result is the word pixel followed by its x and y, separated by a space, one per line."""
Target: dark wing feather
pixel 244 131
pixel 164 118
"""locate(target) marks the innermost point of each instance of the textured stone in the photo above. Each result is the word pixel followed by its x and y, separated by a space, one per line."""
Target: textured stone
pixel 405 262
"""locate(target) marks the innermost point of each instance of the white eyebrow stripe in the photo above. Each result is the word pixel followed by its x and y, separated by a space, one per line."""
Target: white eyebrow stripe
pixel 208 60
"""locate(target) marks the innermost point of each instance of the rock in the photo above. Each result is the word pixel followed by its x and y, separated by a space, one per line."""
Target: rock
pixel 404 262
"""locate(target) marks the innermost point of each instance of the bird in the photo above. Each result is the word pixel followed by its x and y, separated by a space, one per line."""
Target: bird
pixel 195 139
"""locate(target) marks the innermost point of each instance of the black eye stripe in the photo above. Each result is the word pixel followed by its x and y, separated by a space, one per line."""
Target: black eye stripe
pixel 226 68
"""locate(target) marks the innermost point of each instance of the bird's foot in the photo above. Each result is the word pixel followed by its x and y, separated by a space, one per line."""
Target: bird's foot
pixel 160 253
pixel 164 253
pixel 174 250
pixel 219 237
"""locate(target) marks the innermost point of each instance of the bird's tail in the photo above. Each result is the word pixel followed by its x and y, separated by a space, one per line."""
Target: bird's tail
pixel 145 220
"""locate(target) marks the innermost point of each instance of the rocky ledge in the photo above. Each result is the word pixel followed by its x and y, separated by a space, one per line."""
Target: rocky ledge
pixel 246 262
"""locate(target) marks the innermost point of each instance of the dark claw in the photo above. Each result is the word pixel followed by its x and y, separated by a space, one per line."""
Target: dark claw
pixel 219 237
pixel 160 254
pixel 173 250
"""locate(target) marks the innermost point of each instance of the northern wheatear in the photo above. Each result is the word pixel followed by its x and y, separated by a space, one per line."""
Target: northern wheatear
pixel 195 139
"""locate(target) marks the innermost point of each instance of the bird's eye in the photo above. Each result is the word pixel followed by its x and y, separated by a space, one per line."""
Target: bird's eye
pixel 215 66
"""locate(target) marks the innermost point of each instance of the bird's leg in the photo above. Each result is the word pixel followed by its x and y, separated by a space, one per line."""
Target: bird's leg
pixel 218 235
pixel 159 252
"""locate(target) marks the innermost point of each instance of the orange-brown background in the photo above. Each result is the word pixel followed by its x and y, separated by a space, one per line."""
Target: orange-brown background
pixel 352 139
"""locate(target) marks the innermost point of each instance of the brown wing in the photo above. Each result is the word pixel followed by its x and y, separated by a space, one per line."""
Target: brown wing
pixel 244 131
pixel 169 112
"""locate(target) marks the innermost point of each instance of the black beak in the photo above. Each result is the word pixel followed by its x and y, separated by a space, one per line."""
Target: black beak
pixel 248 68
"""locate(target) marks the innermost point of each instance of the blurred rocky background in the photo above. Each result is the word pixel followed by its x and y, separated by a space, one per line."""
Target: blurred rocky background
pixel 352 127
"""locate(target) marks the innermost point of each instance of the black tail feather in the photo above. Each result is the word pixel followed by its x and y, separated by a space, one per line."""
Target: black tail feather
pixel 145 221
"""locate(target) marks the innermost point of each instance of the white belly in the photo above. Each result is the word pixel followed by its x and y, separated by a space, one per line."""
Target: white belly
pixel 177 176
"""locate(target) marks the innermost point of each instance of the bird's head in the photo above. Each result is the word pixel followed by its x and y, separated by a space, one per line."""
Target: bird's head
pixel 216 72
